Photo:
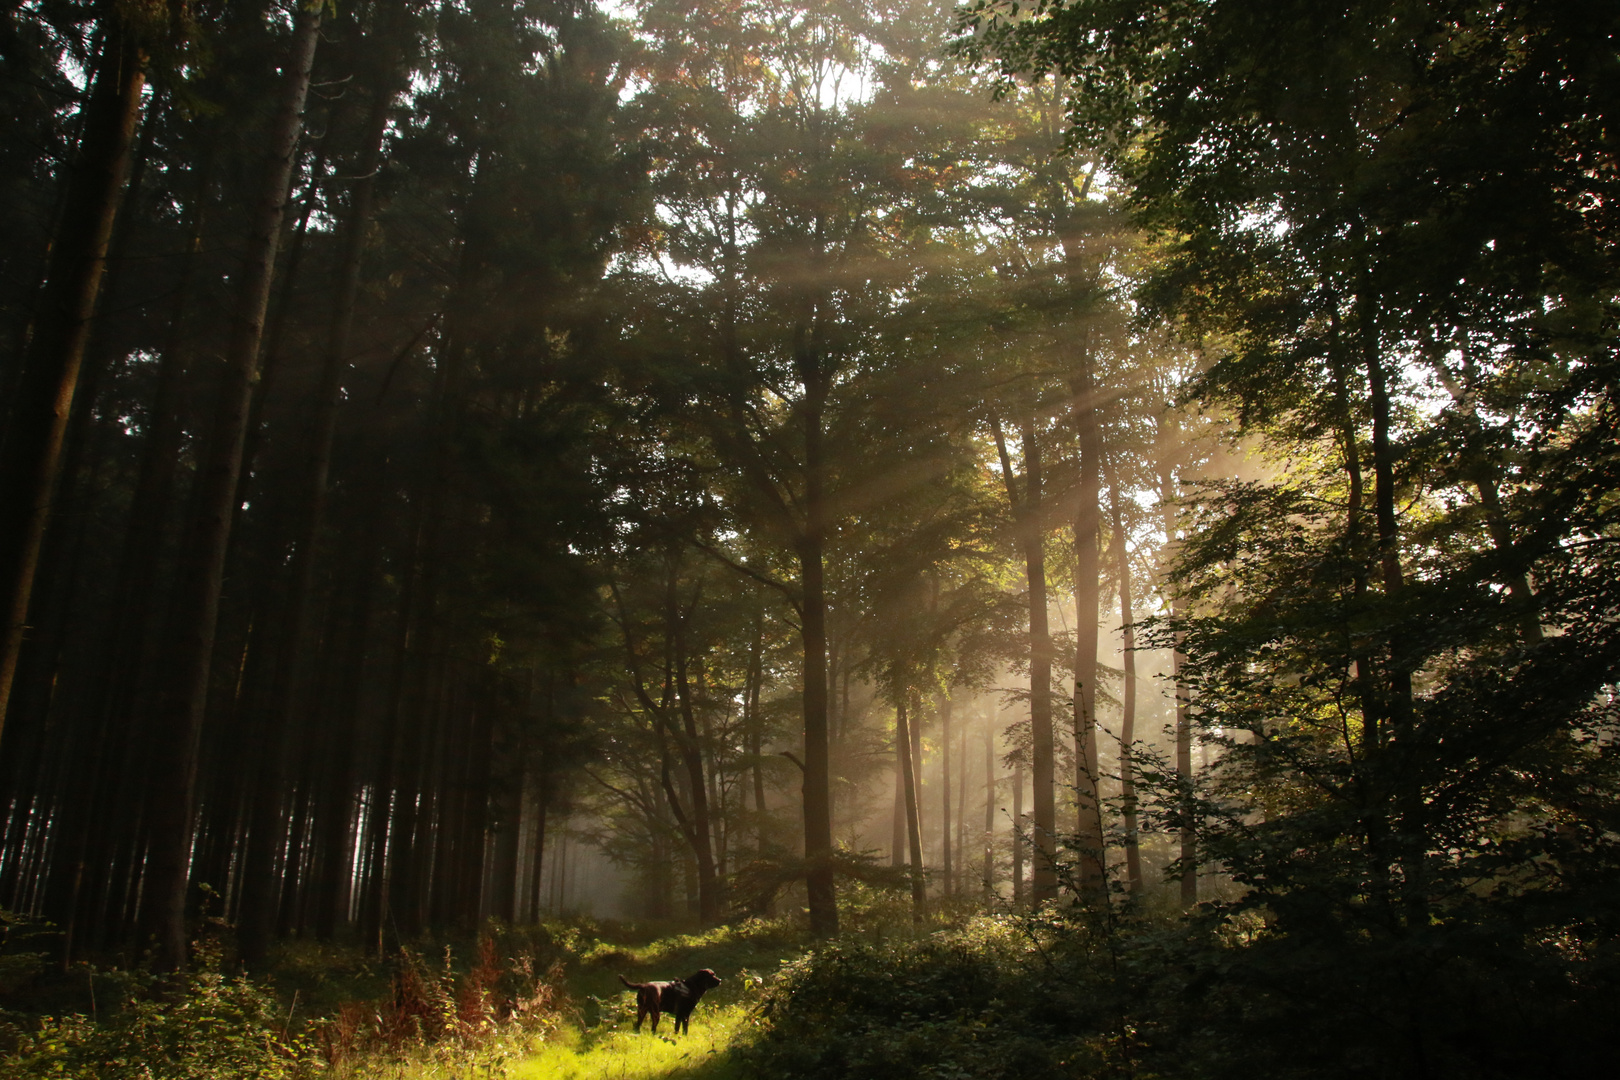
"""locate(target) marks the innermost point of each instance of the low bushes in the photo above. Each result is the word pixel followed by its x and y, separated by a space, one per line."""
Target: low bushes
pixel 434 1018
pixel 996 998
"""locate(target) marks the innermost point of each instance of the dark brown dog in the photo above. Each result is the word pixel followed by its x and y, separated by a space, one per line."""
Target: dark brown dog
pixel 678 996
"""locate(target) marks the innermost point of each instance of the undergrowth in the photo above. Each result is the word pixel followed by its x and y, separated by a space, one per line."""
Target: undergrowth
pixel 436 1018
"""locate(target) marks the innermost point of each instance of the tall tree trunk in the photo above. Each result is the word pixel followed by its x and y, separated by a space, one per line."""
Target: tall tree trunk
pixel 1020 895
pixel 196 608
pixel 1168 434
pixel 339 820
pixel 537 854
pixel 958 886
pixel 31 454
pixel 701 828
pixel 1127 723
pixel 1411 828
pixel 1093 869
pixel 945 867
pixel 897 823
pixel 989 883
pixel 753 722
pixel 818 845
pixel 908 774
pixel 1029 516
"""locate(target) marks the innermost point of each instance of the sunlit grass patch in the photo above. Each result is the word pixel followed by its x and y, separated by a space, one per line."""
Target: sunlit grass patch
pixel 613 1051
pixel 754 945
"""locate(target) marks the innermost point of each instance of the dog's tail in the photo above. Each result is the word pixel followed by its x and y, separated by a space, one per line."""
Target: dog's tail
pixel 631 985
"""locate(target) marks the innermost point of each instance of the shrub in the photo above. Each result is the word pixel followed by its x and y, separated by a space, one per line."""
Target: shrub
pixel 997 998
pixel 495 1008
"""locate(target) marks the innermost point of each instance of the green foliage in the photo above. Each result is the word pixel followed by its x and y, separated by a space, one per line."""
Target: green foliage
pixel 208 1028
pixel 998 997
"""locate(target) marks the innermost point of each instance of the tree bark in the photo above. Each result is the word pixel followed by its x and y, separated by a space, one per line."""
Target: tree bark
pixel 1027 514
pixel 701 829
pixel 908 774
pixel 818 846
pixel 1167 508
pixel 1093 870
pixel 1020 895
pixel 989 883
pixel 30 457
pixel 948 883
pixel 1127 723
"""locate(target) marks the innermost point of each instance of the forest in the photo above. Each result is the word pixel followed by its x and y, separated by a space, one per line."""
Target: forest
pixel 1034 538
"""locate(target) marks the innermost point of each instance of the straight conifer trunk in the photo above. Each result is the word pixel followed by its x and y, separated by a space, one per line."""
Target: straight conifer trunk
pixel 1167 498
pixel 945 784
pixel 818 845
pixel 897 830
pixel 1127 723
pixel 908 774
pixel 959 882
pixel 30 458
pixel 196 603
pixel 701 831
pixel 1027 514
pixel 989 883
pixel 1019 894
pixel 1093 873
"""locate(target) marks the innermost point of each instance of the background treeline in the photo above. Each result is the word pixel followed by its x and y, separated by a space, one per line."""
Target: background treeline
pixel 491 412
pixel 486 412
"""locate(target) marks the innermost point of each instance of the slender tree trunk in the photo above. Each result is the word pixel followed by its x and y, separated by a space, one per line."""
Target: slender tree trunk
pixel 908 773
pixel 949 882
pixel 1127 724
pixel 537 857
pixel 818 845
pixel 1093 870
pixel 1028 515
pixel 1167 505
pixel 897 824
pixel 1020 896
pixel 30 456
pixel 339 817
pixel 958 886
pixel 989 883
pixel 754 722
pixel 1042 758
pixel 1411 828
pixel 196 608
pixel 701 829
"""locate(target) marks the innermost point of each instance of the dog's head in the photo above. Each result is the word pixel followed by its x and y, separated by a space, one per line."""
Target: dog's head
pixel 702 980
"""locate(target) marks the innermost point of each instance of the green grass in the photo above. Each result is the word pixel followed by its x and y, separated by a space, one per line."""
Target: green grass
pixel 604 1046
pixel 612 1051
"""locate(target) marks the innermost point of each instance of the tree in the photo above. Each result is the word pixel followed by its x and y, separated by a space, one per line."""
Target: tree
pixel 49 371
pixel 1329 187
